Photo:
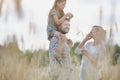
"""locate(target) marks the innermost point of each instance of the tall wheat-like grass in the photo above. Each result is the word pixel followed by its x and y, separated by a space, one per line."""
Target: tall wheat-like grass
pixel 16 65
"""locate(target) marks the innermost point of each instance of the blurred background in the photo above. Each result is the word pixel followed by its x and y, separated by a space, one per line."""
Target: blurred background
pixel 26 20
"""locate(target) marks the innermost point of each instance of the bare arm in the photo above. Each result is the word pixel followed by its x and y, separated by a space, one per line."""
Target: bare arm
pixel 59 21
pixel 82 43
pixel 90 57
pixel 88 37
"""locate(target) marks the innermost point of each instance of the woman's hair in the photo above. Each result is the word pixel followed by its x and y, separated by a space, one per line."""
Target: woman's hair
pixel 56 7
pixel 101 33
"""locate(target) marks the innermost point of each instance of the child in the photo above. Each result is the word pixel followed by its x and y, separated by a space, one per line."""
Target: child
pixel 55 18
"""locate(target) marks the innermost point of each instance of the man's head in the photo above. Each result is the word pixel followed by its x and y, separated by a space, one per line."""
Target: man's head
pixel 65 27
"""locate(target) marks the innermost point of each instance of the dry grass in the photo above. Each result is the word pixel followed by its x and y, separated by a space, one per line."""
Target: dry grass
pixel 110 71
pixel 15 65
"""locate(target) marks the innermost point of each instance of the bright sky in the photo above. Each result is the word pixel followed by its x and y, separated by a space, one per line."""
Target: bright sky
pixel 86 14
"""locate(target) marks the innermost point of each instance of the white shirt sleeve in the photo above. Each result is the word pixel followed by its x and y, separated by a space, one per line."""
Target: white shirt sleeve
pixel 78 50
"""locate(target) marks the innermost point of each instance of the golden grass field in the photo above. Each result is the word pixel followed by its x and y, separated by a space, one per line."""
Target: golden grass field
pixel 16 65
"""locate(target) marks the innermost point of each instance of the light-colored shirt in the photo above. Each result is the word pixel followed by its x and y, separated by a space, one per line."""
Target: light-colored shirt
pixel 88 71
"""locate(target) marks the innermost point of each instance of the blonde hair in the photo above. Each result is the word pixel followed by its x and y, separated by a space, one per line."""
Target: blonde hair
pixel 101 33
pixel 56 7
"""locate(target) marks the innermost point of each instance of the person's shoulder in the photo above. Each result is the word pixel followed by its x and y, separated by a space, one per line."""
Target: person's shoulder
pixel 53 10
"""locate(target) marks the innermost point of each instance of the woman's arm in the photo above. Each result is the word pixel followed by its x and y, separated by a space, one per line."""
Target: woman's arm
pixel 88 37
pixel 90 57
pixel 80 46
pixel 82 43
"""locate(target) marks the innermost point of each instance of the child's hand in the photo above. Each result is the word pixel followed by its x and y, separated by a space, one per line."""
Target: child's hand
pixel 70 15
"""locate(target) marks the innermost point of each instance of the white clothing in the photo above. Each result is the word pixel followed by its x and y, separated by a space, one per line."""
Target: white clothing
pixel 87 70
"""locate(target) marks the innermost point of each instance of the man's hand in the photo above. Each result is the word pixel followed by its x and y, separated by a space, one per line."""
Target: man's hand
pixel 69 42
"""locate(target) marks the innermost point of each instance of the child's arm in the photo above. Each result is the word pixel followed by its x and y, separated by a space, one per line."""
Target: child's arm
pixel 59 21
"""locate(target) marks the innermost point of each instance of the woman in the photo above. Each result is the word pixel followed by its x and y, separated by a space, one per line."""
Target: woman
pixel 91 51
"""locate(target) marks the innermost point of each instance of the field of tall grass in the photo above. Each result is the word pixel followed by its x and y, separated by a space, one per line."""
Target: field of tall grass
pixel 16 65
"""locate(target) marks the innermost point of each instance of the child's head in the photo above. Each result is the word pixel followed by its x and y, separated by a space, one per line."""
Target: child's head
pixel 59 4
pixel 65 27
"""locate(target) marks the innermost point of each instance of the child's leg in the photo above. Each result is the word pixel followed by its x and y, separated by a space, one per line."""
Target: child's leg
pixel 53 49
